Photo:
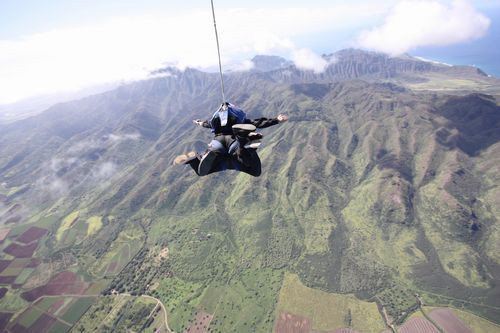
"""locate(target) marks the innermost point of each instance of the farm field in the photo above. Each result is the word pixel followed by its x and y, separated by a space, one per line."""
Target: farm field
pixel 32 234
pixel 21 251
pixel 61 283
pixel 325 311
pixel 477 324
pixel 77 309
pixel 448 320
pixel 3 234
pixel 51 314
pixel 4 319
pixel 418 325
pixel 455 320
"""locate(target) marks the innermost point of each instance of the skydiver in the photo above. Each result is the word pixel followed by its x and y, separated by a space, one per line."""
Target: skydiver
pixel 234 145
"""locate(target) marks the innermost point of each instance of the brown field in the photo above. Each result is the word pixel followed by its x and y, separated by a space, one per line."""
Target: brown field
pixel 3 234
pixel 32 234
pixel 200 323
pixel 339 330
pixel 21 251
pixel 4 264
pixel 447 320
pixel 3 291
pixel 7 279
pixel 4 320
pixel 418 325
pixel 61 283
pixel 290 323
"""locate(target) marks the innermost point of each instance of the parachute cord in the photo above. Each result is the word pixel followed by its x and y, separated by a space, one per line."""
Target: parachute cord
pixel 218 53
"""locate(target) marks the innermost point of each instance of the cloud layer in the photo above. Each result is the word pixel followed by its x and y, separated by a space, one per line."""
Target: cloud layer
pixel 412 24
pixel 128 48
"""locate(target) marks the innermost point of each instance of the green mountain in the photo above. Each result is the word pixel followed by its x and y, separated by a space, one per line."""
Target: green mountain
pixel 384 184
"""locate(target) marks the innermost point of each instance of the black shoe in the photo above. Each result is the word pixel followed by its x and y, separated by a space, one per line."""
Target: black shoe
pixel 243 130
pixel 255 136
pixel 253 140
pixel 206 163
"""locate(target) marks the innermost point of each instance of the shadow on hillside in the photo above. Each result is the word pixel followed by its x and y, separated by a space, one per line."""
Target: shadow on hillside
pixel 476 117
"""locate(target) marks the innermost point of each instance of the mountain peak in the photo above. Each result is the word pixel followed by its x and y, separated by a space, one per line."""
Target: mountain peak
pixel 267 63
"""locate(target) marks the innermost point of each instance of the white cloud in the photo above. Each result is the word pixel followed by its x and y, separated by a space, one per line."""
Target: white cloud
pixel 306 59
pixel 242 66
pixel 129 48
pixel 119 138
pixel 105 170
pixel 414 23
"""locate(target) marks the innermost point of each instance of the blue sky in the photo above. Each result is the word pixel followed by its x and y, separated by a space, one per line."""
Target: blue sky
pixel 55 45
pixel 21 17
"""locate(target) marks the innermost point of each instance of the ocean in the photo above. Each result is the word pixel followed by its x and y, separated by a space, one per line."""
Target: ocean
pixel 483 53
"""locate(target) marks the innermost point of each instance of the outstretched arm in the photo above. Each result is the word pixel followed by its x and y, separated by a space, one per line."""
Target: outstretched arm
pixel 266 122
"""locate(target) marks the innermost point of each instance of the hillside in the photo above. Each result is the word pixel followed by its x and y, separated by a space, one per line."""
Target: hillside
pixel 384 184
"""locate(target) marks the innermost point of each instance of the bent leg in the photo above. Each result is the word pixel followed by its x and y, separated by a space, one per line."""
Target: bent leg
pixel 195 164
pixel 253 167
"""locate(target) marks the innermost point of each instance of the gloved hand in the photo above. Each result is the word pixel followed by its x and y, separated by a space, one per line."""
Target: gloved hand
pixel 198 122
pixel 282 118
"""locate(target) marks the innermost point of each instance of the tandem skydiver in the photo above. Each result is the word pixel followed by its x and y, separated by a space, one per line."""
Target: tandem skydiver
pixel 234 145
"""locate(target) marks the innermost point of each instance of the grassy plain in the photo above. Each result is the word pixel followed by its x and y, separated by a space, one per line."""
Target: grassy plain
pixel 476 323
pixel 248 302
